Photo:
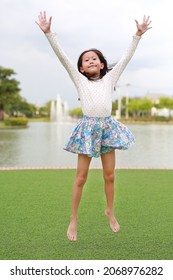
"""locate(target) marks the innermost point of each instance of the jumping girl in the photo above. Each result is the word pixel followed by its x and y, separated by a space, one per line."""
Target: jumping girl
pixel 97 133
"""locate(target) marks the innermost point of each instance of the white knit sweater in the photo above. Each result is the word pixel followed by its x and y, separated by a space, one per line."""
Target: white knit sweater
pixel 95 96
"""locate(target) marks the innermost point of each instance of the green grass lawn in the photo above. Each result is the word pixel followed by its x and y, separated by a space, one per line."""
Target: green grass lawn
pixel 35 206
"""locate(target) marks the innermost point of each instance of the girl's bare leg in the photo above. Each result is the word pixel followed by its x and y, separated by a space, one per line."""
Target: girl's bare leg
pixel 80 179
pixel 108 163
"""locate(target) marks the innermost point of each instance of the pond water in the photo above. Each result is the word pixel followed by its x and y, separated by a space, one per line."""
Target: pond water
pixel 41 145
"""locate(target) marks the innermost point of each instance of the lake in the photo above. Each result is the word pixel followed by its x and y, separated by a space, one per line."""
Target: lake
pixel 41 146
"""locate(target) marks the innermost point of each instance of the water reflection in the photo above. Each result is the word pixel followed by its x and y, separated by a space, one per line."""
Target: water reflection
pixel 41 145
pixel 153 147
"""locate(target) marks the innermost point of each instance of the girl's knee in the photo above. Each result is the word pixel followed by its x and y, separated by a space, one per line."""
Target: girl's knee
pixel 81 179
pixel 109 177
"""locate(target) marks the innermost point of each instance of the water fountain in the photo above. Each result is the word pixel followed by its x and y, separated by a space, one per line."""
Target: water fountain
pixel 65 111
pixel 53 111
pixel 59 111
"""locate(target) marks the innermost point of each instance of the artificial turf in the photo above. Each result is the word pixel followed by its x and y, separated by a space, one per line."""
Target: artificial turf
pixel 35 206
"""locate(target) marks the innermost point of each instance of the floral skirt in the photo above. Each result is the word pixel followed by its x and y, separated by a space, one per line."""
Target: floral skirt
pixel 95 136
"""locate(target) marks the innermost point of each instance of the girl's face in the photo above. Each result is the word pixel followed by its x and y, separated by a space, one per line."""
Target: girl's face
pixel 91 65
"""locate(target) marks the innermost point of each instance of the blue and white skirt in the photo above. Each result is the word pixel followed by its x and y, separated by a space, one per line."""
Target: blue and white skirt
pixel 94 136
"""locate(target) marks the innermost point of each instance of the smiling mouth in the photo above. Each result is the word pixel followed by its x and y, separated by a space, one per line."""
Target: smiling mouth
pixel 91 66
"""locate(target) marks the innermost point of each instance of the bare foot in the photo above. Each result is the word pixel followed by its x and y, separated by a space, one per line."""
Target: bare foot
pixel 114 225
pixel 72 229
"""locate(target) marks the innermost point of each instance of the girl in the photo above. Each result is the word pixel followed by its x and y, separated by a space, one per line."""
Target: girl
pixel 97 133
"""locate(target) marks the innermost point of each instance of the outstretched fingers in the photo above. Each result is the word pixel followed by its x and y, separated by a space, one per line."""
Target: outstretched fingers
pixel 43 23
pixel 147 21
pixel 144 26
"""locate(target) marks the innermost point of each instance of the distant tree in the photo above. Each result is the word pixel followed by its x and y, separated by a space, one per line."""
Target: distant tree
pixel 145 106
pixel 123 106
pixel 140 106
pixel 27 109
pixel 114 107
pixel 77 112
pixel 10 99
pixel 9 88
pixel 166 102
pixel 133 107
pixel 44 111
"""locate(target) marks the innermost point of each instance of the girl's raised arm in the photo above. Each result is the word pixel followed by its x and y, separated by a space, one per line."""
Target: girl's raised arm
pixel 45 26
pixel 121 65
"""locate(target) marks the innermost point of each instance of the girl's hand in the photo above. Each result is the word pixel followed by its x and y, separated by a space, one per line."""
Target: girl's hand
pixel 43 23
pixel 144 26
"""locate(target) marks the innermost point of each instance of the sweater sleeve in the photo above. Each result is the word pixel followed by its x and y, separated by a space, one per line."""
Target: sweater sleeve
pixel 72 71
pixel 117 70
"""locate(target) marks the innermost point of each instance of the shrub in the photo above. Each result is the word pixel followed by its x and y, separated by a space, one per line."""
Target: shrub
pixel 160 118
pixel 21 122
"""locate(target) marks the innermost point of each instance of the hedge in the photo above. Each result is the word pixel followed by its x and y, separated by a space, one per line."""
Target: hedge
pixel 22 122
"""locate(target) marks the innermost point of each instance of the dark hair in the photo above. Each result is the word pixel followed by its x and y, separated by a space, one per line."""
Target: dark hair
pixel 101 57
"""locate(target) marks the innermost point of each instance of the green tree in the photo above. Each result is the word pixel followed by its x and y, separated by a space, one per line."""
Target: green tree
pixel 27 109
pixel 166 102
pixel 145 106
pixel 140 106
pixel 114 107
pixel 10 100
pixel 9 88
pixel 133 107
pixel 77 112
pixel 44 111
pixel 123 106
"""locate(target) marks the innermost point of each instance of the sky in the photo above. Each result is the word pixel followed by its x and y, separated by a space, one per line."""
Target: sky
pixel 107 25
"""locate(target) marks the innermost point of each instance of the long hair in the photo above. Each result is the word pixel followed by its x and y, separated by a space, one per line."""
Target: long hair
pixel 101 57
